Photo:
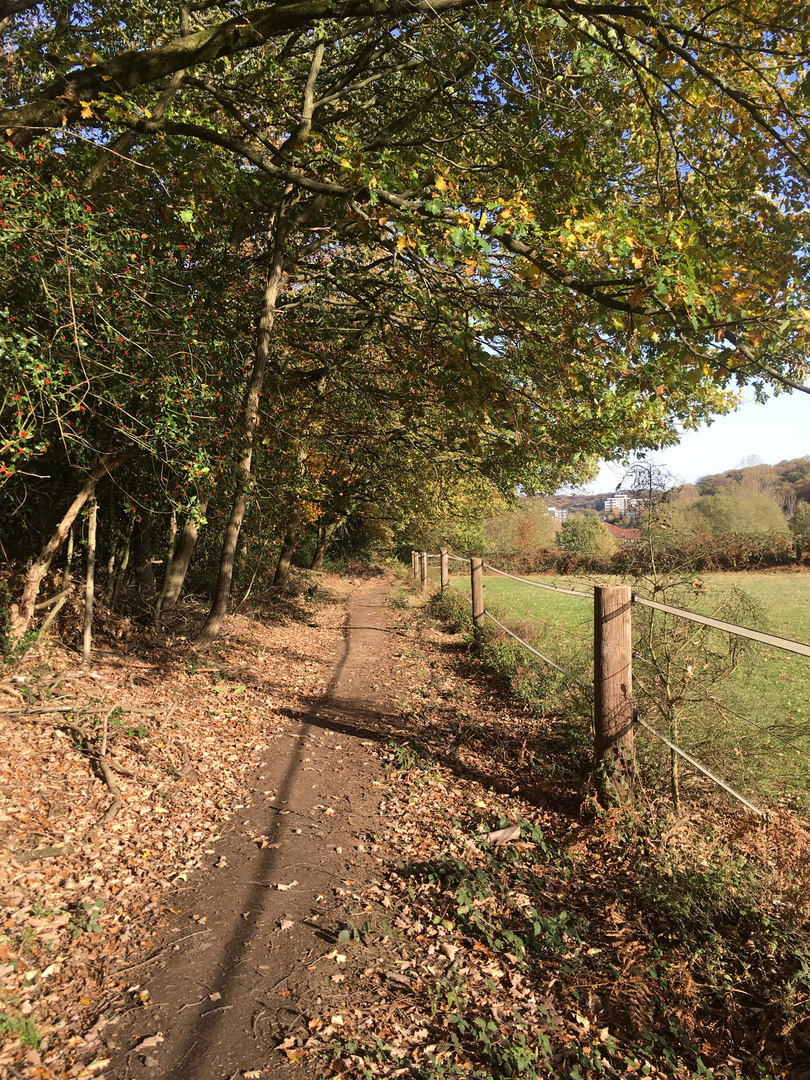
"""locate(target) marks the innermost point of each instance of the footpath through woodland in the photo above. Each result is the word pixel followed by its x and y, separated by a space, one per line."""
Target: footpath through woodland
pixel 298 880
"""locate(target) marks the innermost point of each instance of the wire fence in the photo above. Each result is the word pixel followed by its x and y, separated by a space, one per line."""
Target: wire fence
pixel 760 637
pixel 731 628
pixel 538 584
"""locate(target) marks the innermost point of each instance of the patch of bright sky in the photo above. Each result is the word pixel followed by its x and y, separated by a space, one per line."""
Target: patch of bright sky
pixel 775 431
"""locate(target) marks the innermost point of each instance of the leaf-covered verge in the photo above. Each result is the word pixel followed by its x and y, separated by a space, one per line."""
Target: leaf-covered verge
pixel 628 944
pixel 618 944
pixel 183 735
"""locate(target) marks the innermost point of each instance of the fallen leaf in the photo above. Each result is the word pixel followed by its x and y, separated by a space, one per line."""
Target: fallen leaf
pixel 150 1042
pixel 503 836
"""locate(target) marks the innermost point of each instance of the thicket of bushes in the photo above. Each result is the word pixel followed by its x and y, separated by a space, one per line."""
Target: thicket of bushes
pixel 702 552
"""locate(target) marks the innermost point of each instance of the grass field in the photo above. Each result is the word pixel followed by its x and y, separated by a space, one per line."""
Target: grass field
pixel 747 717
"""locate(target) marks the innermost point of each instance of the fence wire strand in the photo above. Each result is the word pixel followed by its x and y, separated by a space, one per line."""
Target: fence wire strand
pixel 701 768
pixel 460 593
pixel 582 637
pixel 538 584
pixel 709 700
pixel 525 644
pixel 741 631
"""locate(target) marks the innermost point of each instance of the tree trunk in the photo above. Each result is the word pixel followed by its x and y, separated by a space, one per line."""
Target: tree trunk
pixel 90 585
pixel 325 535
pixel 121 569
pixel 142 540
pixel 222 592
pixel 167 569
pixel 66 586
pixel 109 580
pixel 21 616
pixel 182 557
pixel 287 549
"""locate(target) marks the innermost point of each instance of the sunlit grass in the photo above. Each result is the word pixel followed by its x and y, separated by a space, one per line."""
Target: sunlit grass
pixel 765 747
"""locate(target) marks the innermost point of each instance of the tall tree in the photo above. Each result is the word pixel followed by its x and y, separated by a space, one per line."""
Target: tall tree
pixel 584 221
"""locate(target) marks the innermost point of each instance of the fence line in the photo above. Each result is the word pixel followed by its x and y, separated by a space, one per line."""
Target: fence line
pixel 693 616
pixel 731 628
pixel 614 742
pixel 538 584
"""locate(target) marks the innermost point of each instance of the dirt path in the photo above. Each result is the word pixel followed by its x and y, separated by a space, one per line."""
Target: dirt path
pixel 254 930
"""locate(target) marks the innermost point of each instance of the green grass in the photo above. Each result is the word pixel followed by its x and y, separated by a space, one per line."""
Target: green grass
pixel 765 750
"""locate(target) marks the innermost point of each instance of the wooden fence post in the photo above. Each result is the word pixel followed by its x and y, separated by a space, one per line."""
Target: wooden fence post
pixel 445 568
pixel 414 570
pixel 423 571
pixel 613 693
pixel 477 584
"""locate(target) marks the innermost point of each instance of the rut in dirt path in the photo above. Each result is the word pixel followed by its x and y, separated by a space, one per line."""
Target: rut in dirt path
pixel 255 929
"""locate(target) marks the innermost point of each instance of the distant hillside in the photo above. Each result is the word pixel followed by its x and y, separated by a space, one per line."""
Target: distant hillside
pixel 788 483
pixel 788 479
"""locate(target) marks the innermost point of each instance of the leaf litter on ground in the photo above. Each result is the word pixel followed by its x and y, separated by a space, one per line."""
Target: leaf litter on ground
pixel 553 953
pixel 182 737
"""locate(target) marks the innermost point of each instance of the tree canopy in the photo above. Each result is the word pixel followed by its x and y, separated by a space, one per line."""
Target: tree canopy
pixel 586 536
pixel 505 237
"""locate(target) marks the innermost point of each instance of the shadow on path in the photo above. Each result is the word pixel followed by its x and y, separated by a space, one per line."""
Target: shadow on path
pixel 224 999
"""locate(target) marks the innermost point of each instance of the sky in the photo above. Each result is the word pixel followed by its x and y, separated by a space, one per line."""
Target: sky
pixel 775 431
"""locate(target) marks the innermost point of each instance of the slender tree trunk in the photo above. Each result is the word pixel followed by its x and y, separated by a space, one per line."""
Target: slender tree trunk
pixel 21 616
pixel 109 580
pixel 66 586
pixel 287 549
pixel 142 540
pixel 258 567
pixel 123 566
pixel 222 592
pixel 182 557
pixel 170 547
pixel 325 535
pixel 90 585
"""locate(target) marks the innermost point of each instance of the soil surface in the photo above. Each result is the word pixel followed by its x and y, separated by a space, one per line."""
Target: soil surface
pixel 247 951
pixel 305 876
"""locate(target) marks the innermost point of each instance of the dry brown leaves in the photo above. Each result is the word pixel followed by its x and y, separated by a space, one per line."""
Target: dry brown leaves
pixel 429 947
pixel 77 912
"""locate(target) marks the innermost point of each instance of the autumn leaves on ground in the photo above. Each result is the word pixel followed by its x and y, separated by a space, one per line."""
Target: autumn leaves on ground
pixel 396 937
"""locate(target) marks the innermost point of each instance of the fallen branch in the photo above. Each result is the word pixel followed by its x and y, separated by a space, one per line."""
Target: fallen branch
pixel 99 757
pixel 51 852
pixel 109 780
pixel 47 603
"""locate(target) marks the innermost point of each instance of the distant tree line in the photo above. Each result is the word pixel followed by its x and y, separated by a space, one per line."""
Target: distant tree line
pixel 753 516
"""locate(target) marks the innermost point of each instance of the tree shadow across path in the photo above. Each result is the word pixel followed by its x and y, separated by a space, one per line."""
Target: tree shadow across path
pixel 254 927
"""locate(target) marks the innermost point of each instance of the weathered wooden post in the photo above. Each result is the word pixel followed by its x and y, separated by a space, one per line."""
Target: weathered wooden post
pixel 423 571
pixel 613 693
pixel 445 568
pixel 477 583
pixel 414 570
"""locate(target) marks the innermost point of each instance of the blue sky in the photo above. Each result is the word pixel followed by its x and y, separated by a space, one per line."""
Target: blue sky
pixel 776 431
